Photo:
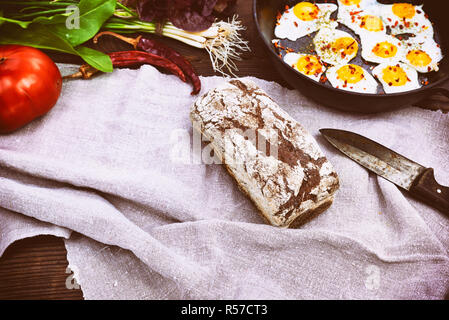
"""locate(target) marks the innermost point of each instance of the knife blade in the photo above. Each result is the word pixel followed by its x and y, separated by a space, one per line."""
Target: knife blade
pixel 418 180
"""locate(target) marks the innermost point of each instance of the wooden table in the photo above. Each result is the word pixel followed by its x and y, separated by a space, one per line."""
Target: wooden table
pixel 35 268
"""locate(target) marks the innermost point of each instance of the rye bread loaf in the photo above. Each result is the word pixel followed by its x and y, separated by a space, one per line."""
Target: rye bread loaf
pixel 274 160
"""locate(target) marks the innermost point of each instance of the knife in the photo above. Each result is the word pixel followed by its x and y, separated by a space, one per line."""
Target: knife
pixel 418 180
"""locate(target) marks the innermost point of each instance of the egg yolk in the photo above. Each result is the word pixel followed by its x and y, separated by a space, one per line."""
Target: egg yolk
pixel 346 45
pixel 306 11
pixel 419 58
pixel 385 50
pixel 351 73
pixel 404 10
pixel 309 65
pixel 372 23
pixel 350 2
pixel 395 76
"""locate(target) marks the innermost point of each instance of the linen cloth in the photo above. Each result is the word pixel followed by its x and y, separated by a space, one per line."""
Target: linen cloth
pixel 149 224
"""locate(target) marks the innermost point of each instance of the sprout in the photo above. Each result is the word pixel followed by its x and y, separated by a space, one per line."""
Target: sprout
pixel 222 40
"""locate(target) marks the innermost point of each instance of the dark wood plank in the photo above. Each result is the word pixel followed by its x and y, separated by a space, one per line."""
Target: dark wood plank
pixel 35 268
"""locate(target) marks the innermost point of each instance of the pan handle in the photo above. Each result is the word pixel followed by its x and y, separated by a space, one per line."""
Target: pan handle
pixel 443 89
pixel 438 98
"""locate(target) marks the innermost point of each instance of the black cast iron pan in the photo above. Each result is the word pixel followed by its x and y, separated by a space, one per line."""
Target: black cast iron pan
pixel 265 12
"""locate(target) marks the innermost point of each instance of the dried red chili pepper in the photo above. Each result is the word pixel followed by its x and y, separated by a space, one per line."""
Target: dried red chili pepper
pixel 159 49
pixel 132 58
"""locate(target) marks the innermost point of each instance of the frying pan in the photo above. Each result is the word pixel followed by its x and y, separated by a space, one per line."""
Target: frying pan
pixel 265 11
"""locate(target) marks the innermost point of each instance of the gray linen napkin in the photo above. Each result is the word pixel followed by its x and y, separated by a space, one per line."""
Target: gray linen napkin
pixel 113 162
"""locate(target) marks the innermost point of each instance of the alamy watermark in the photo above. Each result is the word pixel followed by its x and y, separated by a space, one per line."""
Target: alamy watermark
pixel 70 281
pixel 372 281
pixel 232 146
pixel 73 19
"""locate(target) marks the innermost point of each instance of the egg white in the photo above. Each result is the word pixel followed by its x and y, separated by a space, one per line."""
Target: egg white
pixel 412 75
pixel 292 58
pixel 292 28
pixel 323 42
pixel 428 45
pixel 419 24
pixel 369 42
pixel 352 17
pixel 367 85
pixel 362 5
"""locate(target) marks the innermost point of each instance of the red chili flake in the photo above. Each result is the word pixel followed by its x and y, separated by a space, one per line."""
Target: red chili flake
pixel 278 16
pixel 296 24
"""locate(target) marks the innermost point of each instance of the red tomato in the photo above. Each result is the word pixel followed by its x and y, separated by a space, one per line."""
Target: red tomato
pixel 30 85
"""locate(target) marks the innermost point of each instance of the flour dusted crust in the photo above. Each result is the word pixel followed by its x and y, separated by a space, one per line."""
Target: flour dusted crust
pixel 274 160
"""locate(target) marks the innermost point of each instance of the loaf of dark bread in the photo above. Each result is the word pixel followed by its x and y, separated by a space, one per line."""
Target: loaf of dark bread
pixel 274 160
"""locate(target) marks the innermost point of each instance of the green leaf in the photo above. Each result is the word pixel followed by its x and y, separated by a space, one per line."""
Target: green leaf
pixel 95 58
pixel 92 15
pixel 76 26
pixel 42 37
pixel 37 36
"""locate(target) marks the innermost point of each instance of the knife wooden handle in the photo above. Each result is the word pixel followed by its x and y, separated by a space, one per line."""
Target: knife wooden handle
pixel 427 189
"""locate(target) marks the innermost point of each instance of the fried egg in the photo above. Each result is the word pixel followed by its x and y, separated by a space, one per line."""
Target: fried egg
pixel 422 54
pixel 349 5
pixel 382 48
pixel 303 19
pixel 351 77
pixel 397 77
pixel 335 46
pixel 308 65
pixel 363 20
pixel 406 18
